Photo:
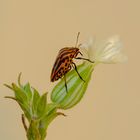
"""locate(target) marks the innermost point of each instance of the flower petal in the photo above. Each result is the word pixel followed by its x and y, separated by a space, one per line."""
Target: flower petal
pixel 108 51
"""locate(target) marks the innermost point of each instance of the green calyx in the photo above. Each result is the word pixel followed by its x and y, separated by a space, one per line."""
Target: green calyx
pixel 76 87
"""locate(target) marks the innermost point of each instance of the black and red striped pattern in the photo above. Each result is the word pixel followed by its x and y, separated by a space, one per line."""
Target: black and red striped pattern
pixel 63 62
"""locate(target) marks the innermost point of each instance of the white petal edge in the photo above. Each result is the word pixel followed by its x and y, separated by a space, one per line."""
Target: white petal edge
pixel 108 51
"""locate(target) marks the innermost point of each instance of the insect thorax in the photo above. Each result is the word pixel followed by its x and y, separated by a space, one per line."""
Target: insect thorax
pixel 71 52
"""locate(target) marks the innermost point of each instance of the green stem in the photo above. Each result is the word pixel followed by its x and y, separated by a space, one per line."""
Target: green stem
pixel 33 131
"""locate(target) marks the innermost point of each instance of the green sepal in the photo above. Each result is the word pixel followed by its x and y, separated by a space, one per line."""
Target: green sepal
pixel 42 104
pixel 20 94
pixel 36 98
pixel 28 91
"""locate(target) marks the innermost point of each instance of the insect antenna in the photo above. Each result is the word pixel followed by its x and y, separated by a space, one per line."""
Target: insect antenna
pixel 77 40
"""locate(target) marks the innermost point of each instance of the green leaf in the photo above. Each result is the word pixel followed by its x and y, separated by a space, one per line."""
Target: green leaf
pixel 19 94
pixel 41 108
pixel 36 98
pixel 51 107
pixel 26 111
pixel 28 91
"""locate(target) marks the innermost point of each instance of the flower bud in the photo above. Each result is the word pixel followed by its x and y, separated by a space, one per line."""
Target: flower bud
pixel 76 87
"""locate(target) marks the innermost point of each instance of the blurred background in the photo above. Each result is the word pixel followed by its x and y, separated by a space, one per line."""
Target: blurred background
pixel 31 34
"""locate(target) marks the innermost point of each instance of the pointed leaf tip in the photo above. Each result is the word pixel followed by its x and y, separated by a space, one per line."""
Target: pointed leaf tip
pixel 8 86
pixel 10 97
pixel 60 113
pixel 19 79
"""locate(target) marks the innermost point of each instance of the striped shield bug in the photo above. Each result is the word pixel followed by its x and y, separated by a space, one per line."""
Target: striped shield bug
pixel 64 62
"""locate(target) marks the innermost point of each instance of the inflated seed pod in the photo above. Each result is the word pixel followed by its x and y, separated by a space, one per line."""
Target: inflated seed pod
pixel 75 86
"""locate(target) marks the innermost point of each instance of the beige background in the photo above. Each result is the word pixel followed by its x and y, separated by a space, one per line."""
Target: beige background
pixel 32 32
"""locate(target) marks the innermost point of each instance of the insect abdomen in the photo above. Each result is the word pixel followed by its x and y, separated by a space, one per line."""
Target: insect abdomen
pixel 63 66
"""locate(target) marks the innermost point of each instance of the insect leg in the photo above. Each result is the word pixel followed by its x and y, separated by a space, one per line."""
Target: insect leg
pixel 77 71
pixel 85 59
pixel 65 83
pixel 80 53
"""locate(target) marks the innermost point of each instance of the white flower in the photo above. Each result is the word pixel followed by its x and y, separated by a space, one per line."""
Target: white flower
pixel 108 51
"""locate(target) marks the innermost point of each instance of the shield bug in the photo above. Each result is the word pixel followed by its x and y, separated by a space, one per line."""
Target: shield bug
pixel 64 62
